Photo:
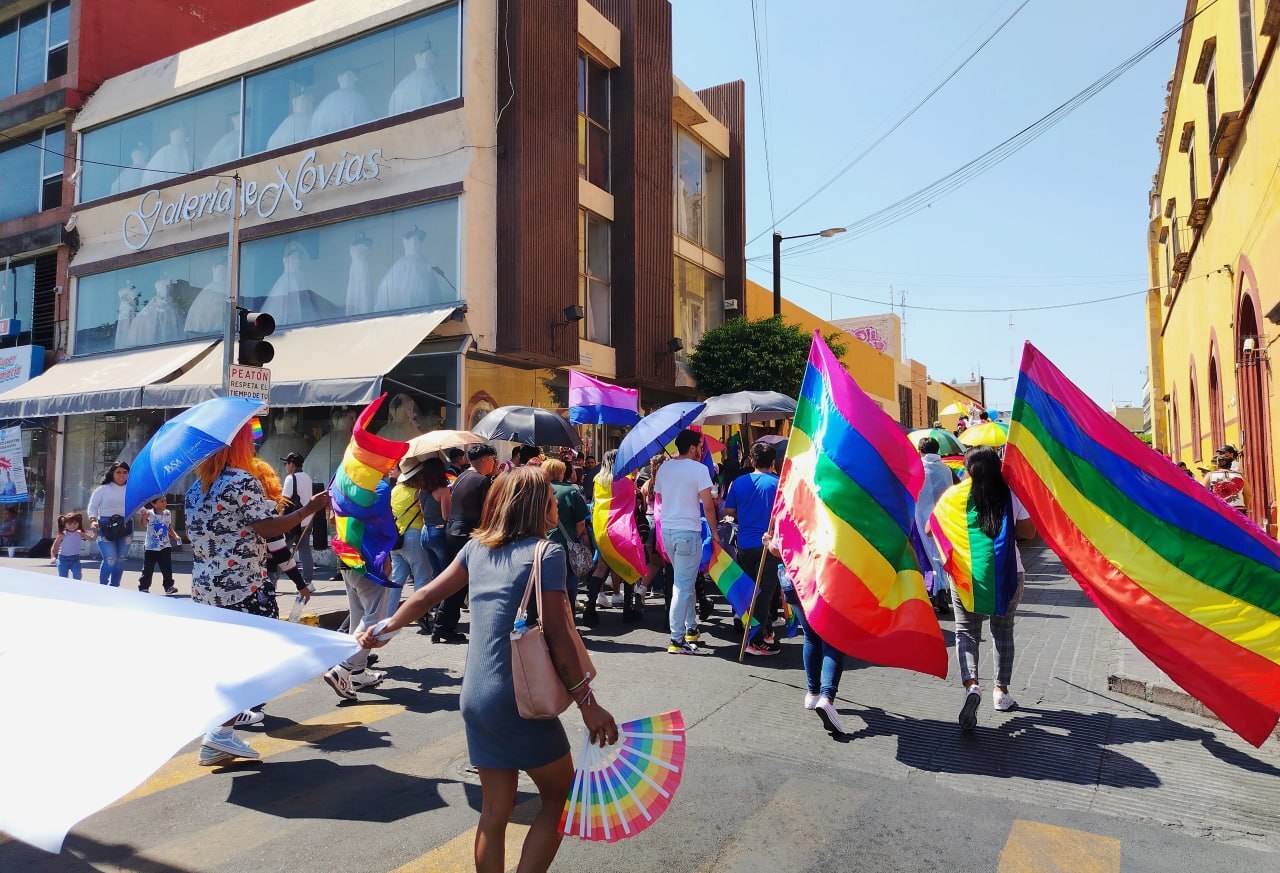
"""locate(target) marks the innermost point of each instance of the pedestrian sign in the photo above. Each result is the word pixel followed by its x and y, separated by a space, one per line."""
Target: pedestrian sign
pixel 246 381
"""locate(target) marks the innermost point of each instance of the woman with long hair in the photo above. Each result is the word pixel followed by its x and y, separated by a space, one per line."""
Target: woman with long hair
pixel 229 566
pixel 986 574
pixel 497 562
pixel 114 529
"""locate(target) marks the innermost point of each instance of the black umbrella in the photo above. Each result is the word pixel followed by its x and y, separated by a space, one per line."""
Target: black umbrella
pixel 527 425
pixel 742 407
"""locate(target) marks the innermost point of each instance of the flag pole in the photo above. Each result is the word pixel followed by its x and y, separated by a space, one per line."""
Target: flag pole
pixel 746 619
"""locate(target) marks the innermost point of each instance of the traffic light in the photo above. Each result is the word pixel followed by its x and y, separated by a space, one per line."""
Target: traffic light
pixel 252 349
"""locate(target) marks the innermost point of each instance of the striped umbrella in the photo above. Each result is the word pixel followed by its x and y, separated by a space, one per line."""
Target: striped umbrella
pixel 947 444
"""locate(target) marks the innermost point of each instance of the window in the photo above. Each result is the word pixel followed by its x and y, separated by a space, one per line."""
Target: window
pixel 1168 259
pixel 31 173
pixel 1173 215
pixel 699 202
pixel 1197 450
pixel 699 301
pixel 595 292
pixel 1175 425
pixel 391 71
pixel 18 292
pixel 33 47
pixel 1217 428
pixel 1211 103
pixel 1191 169
pixel 905 401
pixel 931 410
pixel 593 122
pixel 1248 45
pixel 391 261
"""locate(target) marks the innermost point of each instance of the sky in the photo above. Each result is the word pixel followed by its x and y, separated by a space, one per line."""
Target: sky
pixel 1063 220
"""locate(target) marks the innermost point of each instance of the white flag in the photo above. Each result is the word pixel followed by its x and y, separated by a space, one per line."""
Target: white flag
pixel 92 647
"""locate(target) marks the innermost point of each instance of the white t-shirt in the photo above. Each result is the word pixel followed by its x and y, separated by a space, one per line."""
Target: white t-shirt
pixel 1019 514
pixel 680 483
pixel 297 486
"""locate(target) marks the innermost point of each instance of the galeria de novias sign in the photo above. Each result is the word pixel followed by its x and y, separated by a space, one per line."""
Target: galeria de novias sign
pixel 291 186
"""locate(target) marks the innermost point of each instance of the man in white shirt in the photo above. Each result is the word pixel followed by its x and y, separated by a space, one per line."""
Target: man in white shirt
pixel 683 487
pixel 298 489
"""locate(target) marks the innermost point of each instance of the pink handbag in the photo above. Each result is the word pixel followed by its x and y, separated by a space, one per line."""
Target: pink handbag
pixel 540 693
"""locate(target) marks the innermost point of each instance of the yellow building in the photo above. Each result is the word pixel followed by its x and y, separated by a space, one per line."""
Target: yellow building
pixel 1214 247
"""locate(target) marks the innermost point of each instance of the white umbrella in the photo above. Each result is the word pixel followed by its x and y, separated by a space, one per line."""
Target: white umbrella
pixel 427 444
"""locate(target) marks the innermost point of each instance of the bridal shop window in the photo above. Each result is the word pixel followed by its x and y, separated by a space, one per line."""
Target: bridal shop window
pixel 395 70
pixel 163 144
pixel 699 194
pixel 594 291
pixel 155 302
pixel 31 173
pixel 407 259
pixel 33 47
pixel 699 303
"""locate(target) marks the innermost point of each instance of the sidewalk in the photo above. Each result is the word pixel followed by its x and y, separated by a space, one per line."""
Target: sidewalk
pixel 328 606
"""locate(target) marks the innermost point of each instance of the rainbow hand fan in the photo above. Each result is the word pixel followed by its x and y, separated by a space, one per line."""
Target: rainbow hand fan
pixel 620 790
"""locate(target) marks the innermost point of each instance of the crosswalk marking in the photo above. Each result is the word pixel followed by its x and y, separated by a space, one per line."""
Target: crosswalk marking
pixel 1035 847
pixel 183 769
pixel 458 854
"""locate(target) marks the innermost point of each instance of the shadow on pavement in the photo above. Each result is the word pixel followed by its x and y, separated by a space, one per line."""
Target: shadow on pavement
pixel 322 788
pixel 81 854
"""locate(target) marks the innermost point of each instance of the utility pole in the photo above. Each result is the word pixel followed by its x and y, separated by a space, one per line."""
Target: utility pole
pixel 233 280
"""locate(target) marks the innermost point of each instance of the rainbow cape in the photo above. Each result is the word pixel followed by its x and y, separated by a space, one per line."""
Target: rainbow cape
pixel 365 528
pixel 845 509
pixel 1191 582
pixel 955 462
pixel 613 522
pixel 983 570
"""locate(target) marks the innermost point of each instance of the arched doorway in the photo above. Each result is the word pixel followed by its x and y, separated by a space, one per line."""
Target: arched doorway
pixel 1217 423
pixel 1197 436
pixel 1175 438
pixel 1253 375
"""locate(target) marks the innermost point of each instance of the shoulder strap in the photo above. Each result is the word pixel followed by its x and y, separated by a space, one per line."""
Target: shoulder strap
pixel 535 580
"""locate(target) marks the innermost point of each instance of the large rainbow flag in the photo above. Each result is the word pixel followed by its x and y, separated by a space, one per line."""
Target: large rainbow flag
pixel 983 570
pixel 613 522
pixel 1190 581
pixel 845 508
pixel 365 528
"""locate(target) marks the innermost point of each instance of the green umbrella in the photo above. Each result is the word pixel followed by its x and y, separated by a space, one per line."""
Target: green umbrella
pixel 947 444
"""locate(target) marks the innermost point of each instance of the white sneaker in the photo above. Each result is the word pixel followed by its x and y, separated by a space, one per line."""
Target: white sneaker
pixel 1003 701
pixel 367 678
pixel 339 679
pixel 969 712
pixel 810 701
pixel 603 600
pixel 830 718
pixel 248 718
pixel 229 744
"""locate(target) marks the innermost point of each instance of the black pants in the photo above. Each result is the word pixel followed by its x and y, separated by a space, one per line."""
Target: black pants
pixel 450 610
pixel 749 560
pixel 595 583
pixel 162 558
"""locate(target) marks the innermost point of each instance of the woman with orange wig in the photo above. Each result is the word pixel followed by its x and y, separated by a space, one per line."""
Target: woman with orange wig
pixel 229 520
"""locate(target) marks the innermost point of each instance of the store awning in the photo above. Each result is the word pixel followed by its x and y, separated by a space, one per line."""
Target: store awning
pixel 101 383
pixel 322 365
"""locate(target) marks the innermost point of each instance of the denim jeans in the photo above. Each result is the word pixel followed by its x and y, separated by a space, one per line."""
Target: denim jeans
pixel 404 561
pixel 436 548
pixel 684 548
pixel 823 663
pixel 113 557
pixel 69 565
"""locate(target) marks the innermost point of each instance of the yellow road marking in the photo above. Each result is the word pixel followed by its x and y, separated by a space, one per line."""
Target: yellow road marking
pixel 183 769
pixel 458 854
pixel 1034 847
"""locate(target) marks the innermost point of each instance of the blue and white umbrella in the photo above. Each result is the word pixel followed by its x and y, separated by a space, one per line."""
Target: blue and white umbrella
pixel 652 434
pixel 182 442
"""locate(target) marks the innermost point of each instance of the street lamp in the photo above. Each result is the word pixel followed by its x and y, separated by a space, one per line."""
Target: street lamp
pixel 777 262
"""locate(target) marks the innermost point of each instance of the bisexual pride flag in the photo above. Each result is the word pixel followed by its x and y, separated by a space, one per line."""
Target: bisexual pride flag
pixel 1190 581
pixel 592 401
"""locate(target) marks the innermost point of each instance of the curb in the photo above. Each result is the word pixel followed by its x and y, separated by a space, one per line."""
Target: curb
pixel 1157 692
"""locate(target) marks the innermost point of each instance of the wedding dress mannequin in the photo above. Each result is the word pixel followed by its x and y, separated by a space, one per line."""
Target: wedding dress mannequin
pixel 138 436
pixel 341 108
pixel 322 460
pixel 125 314
pixel 132 177
pixel 360 277
pixel 208 312
pixel 410 281
pixel 297 126
pixel 170 161
pixel 419 88
pixel 160 321
pixel 283 440
pixel 227 148
pixel 404 421
pixel 289 299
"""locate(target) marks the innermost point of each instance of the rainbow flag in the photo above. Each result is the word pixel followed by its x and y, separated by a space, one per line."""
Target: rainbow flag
pixel 592 401
pixel 1190 581
pixel 365 528
pixel 983 570
pixel 613 522
pixel 845 509
pixel 732 580
pixel 955 462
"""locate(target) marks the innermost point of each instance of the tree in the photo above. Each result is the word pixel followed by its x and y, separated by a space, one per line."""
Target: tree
pixel 767 354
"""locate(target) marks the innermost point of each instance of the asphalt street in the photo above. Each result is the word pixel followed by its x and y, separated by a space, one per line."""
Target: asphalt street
pixel 1077 779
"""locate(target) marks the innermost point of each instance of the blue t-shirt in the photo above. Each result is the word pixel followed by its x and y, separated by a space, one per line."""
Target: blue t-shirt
pixel 751 496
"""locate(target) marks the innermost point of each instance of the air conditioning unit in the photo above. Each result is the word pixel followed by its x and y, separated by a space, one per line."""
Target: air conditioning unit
pixel 730 305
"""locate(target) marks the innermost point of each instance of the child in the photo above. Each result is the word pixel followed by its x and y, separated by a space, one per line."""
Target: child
pixel 66 547
pixel 160 534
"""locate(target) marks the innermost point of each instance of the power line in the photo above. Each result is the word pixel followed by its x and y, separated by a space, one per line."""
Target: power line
pixel 764 121
pixel 897 124
pixel 939 188
pixel 65 156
